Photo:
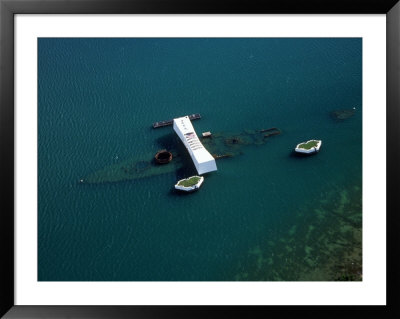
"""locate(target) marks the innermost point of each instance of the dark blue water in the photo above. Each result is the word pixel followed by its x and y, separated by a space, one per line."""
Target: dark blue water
pixel 264 215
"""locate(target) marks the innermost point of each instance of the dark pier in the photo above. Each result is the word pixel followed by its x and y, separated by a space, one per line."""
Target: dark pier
pixel 169 122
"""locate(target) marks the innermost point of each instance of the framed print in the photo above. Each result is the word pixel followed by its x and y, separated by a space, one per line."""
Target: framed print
pixel 182 160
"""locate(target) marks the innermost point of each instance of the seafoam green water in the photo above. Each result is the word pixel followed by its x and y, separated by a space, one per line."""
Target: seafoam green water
pixel 264 215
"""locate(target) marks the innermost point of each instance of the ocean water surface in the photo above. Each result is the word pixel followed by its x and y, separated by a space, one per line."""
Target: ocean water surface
pixel 265 215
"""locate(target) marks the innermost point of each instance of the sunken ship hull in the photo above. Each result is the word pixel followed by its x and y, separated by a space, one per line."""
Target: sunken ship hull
pixel 220 145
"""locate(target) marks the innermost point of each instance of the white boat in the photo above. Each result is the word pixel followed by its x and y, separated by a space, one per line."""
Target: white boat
pixel 309 147
pixel 189 184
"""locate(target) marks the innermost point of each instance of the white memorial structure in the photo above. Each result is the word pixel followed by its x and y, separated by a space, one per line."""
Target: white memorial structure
pixel 202 159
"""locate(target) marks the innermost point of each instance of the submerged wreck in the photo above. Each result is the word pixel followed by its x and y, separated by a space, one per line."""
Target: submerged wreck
pixel 343 114
pixel 219 145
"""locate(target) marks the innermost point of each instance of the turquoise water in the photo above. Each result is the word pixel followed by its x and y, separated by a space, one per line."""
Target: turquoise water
pixel 264 215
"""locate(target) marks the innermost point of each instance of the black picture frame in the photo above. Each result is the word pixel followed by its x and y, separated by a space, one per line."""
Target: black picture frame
pixel 11 7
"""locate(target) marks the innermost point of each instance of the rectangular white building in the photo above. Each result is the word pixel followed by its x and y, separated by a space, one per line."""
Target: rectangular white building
pixel 202 159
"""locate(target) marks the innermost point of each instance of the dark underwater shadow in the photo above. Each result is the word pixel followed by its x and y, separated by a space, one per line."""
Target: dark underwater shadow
pixel 168 141
pixel 293 154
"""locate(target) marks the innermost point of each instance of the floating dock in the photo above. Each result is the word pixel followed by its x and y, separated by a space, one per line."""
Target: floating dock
pixel 170 122
pixel 202 159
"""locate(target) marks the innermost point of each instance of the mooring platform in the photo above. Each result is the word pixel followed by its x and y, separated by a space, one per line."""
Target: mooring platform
pixel 192 117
